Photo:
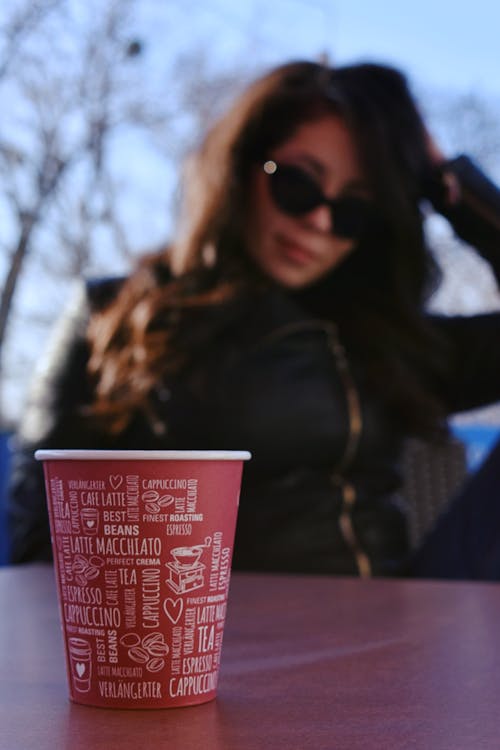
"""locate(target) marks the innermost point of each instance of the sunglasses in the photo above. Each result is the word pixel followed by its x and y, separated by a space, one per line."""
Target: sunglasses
pixel 295 192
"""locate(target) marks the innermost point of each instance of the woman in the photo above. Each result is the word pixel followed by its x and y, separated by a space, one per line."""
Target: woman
pixel 288 319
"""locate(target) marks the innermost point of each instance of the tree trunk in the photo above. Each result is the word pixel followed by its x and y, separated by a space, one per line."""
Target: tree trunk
pixel 13 275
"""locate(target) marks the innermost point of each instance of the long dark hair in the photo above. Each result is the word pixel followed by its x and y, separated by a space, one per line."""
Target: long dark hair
pixel 376 294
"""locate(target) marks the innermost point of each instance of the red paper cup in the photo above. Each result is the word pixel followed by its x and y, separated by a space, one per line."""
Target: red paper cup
pixel 142 544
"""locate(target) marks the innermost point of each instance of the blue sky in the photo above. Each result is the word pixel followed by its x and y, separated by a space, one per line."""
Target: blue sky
pixel 442 42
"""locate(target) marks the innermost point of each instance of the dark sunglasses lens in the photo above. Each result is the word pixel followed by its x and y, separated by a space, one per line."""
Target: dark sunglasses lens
pixel 350 217
pixel 294 191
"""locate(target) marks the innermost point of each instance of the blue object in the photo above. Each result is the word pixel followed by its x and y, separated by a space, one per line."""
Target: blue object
pixel 4 475
pixel 478 440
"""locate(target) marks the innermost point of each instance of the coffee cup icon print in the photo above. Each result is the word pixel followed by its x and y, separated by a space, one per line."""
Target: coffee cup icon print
pixel 90 521
pixel 80 659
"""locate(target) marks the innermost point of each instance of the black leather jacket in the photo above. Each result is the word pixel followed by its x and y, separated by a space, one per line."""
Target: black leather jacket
pixel 321 492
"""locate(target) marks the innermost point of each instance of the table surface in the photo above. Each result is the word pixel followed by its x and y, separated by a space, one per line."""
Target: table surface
pixel 307 662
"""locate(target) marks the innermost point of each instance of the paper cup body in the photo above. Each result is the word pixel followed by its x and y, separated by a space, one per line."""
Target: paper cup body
pixel 142 545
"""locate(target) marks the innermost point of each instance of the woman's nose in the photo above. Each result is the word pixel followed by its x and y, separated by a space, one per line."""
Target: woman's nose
pixel 320 219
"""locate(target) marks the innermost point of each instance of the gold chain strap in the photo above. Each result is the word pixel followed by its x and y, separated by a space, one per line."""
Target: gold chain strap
pixel 348 491
pixel 355 429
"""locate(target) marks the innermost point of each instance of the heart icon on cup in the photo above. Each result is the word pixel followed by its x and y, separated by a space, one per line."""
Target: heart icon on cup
pixel 173 609
pixel 115 480
pixel 80 669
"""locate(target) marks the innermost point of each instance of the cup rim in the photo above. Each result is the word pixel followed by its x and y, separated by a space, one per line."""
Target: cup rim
pixel 139 455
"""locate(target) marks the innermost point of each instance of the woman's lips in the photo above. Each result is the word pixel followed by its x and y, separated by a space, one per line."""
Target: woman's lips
pixel 295 253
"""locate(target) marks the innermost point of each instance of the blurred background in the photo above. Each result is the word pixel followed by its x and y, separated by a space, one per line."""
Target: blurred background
pixel 101 99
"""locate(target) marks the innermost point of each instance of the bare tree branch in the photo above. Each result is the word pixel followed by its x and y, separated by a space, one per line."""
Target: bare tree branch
pixel 75 77
pixel 19 27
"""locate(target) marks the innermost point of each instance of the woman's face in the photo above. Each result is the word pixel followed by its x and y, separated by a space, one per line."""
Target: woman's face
pixel 298 250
